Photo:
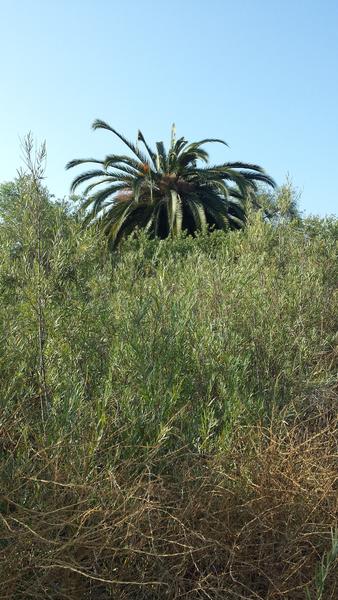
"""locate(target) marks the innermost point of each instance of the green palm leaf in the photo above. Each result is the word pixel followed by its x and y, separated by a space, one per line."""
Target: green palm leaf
pixel 98 124
pixel 166 192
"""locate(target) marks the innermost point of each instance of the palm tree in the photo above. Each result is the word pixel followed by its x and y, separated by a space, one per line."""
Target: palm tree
pixel 165 193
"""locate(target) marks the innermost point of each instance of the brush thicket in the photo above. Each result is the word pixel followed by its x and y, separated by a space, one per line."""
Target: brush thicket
pixel 182 441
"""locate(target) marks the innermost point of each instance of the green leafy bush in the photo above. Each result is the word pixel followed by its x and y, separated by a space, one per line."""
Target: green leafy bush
pixel 192 372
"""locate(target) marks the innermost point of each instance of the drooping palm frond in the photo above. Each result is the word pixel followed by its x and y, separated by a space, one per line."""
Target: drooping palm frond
pixel 151 153
pixel 166 192
pixel 99 124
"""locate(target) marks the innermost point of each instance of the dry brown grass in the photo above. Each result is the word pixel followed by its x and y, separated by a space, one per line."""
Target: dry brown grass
pixel 250 523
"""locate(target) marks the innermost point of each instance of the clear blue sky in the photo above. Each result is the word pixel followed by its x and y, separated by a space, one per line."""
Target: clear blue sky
pixel 261 74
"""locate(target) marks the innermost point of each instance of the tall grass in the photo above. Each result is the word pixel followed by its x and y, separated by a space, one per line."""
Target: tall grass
pixel 189 448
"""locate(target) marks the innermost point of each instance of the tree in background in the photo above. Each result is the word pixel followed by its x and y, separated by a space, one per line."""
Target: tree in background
pixel 166 192
pixel 281 205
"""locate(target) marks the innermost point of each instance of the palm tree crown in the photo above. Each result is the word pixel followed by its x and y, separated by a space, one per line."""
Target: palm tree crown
pixel 165 193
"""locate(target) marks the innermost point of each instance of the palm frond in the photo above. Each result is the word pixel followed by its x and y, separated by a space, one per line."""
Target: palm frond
pixel 163 159
pixel 186 158
pixel 99 124
pixel 139 218
pixel 81 161
pixel 136 187
pixel 221 188
pixel 261 176
pixel 96 200
pixel 85 176
pixel 180 144
pixel 111 218
pixel 113 159
pixel 218 219
pixel 242 165
pixel 175 212
pixel 101 181
pixel 197 209
pixel 151 153
pixel 206 141
pixel 121 176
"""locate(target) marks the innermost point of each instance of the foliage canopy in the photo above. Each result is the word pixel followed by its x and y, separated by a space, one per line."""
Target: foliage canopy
pixel 166 192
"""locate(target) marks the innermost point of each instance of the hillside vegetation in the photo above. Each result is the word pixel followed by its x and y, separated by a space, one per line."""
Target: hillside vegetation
pixel 168 417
